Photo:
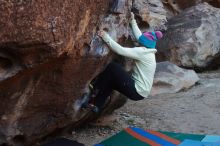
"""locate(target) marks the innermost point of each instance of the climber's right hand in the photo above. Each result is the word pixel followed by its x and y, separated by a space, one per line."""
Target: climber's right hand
pixel 132 16
pixel 101 33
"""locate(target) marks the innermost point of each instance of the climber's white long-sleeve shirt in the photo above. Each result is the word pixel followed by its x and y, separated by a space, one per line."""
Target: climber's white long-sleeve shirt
pixel 145 63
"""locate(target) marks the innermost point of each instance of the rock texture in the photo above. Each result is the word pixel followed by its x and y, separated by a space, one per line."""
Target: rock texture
pixel 188 3
pixel 174 7
pixel 48 53
pixel 151 14
pixel 170 78
pixel 192 38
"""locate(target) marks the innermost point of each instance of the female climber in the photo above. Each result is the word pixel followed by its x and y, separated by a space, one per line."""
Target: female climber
pixel 136 86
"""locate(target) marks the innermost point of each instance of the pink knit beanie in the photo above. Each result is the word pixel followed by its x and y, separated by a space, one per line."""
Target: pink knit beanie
pixel 159 34
pixel 150 36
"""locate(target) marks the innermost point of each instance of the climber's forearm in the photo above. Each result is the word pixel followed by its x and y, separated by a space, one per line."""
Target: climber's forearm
pixel 132 53
pixel 136 31
pixel 117 48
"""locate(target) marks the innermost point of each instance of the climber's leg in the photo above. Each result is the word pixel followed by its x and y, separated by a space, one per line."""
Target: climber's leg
pixel 114 77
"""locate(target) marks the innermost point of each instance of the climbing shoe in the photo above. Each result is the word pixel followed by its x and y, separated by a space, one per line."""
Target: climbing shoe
pixel 91 107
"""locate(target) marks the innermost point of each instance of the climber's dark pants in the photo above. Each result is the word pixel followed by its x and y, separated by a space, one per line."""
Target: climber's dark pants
pixel 114 77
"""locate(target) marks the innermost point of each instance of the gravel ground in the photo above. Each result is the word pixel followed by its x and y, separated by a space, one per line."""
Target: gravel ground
pixel 196 110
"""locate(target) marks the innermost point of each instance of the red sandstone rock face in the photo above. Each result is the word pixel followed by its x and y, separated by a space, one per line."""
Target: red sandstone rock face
pixel 45 63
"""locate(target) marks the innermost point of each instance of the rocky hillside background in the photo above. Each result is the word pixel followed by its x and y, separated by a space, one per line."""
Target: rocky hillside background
pixel 49 52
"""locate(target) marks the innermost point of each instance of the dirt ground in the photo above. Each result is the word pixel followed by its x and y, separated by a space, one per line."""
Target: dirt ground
pixel 196 110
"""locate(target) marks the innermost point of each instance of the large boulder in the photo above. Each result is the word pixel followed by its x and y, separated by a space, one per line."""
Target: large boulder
pixel 151 14
pixel 174 7
pixel 49 51
pixel 188 3
pixel 192 38
pixel 170 78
